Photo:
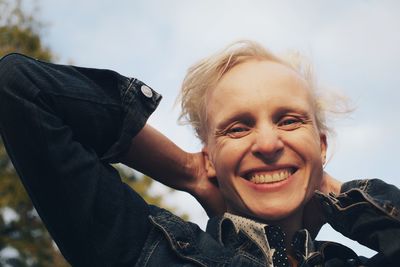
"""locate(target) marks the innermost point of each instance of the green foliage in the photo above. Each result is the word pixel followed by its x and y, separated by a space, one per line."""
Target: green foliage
pixel 26 234
pixel 15 39
pixel 21 32
pixel 142 185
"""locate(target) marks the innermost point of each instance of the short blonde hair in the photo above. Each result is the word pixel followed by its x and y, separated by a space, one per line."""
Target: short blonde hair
pixel 203 76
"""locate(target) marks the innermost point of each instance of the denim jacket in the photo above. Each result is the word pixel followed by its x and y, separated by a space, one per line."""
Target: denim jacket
pixel 68 123
pixel 362 212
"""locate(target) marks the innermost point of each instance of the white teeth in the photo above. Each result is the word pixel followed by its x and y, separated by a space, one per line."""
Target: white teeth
pixel 270 177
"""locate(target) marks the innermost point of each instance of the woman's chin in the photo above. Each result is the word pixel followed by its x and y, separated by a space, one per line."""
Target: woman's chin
pixel 276 215
pixel 271 218
pixel 269 212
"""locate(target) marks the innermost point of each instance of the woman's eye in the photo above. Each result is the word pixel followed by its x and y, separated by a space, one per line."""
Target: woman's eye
pixel 290 123
pixel 237 131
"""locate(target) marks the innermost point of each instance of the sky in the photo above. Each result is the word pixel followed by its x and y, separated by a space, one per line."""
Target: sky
pixel 353 45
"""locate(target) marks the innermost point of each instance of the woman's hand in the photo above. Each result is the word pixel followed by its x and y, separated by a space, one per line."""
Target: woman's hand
pixel 153 154
pixel 203 185
pixel 313 216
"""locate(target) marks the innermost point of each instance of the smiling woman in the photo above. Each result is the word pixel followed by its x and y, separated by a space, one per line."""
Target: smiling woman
pixel 266 135
pixel 277 155
pixel 260 175
pixel 262 121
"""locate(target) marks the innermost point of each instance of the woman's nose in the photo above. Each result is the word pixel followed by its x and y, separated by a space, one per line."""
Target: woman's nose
pixel 267 143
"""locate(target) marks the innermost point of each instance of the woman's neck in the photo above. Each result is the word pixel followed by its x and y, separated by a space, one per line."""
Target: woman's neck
pixel 290 225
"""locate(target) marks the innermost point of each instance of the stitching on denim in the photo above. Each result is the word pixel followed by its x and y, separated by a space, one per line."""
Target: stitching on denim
pixel 124 93
pixel 392 210
pixel 143 261
pixel 174 242
pixel 247 255
pixel 364 185
pixel 250 242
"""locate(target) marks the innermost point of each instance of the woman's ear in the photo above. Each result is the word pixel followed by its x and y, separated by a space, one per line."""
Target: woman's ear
pixel 209 166
pixel 208 193
pixel 324 147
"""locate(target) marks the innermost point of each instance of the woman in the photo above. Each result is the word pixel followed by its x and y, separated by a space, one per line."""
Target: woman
pixel 265 144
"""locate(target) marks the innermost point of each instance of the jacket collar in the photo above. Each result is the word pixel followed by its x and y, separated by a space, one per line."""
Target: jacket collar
pixel 229 230
pixel 188 240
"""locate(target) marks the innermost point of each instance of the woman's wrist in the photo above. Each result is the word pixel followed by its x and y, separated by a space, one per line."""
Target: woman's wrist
pixel 330 185
pixel 153 154
pixel 188 172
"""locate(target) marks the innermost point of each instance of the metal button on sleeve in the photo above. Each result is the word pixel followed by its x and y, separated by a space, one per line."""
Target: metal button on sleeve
pixel 146 91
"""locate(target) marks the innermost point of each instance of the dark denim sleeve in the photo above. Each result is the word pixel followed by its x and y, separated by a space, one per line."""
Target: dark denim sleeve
pixel 368 211
pixel 62 126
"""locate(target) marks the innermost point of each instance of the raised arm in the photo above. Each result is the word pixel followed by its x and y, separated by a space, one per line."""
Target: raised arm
pixel 61 126
pixel 363 210
pixel 155 155
pixel 368 211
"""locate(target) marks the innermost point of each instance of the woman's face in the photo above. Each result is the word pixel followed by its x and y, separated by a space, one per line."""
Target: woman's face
pixel 263 141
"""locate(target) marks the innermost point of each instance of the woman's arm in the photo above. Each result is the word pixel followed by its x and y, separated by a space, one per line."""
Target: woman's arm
pixel 61 126
pixel 367 211
pixel 155 155
pixel 57 122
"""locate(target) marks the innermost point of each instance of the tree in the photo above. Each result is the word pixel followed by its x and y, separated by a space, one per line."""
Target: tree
pixel 24 233
pixel 20 32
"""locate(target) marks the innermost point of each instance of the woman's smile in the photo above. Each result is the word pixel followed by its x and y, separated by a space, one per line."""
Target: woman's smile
pixel 270 177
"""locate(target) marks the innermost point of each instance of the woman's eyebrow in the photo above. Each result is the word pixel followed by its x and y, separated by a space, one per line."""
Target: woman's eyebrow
pixel 292 109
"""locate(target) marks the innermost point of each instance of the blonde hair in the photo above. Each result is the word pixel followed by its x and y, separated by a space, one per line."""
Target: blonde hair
pixel 203 76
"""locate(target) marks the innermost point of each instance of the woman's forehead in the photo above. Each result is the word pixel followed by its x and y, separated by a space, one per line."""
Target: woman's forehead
pixel 268 69
pixel 259 82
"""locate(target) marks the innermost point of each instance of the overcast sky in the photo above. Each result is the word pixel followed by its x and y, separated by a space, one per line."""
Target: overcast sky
pixel 354 46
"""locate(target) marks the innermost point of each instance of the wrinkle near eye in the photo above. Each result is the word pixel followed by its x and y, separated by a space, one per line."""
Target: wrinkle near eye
pixel 293 121
pixel 219 133
pixel 224 130
pixel 234 130
pixel 245 118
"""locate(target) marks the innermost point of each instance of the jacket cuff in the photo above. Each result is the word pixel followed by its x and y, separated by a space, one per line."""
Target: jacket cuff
pixel 363 208
pixel 138 102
